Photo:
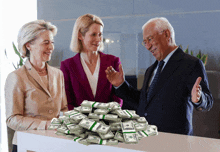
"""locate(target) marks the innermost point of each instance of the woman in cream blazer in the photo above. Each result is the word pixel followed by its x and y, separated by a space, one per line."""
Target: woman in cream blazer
pixel 34 93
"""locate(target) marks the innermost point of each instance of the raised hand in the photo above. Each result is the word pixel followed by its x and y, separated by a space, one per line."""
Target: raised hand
pixel 196 90
pixel 114 77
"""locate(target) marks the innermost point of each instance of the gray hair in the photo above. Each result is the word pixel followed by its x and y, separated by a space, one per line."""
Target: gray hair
pixel 82 25
pixel 30 31
pixel 161 23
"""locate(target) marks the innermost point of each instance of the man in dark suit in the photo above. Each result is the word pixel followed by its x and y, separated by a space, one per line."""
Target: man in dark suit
pixel 173 85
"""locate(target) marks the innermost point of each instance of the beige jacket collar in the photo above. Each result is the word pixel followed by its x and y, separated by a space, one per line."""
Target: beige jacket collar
pixel 31 70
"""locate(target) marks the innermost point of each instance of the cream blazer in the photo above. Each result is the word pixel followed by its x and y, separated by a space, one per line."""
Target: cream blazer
pixel 29 104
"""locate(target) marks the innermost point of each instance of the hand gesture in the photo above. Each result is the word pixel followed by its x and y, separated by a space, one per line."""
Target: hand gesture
pixel 114 77
pixel 196 91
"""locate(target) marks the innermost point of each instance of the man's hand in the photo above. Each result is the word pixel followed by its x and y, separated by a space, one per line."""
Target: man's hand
pixel 196 91
pixel 114 77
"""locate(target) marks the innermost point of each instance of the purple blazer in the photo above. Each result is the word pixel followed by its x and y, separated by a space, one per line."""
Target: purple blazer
pixel 77 85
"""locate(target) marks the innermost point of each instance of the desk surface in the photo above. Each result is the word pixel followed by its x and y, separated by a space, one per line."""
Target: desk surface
pixel 47 140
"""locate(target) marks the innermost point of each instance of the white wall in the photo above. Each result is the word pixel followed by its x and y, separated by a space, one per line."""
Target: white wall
pixel 14 14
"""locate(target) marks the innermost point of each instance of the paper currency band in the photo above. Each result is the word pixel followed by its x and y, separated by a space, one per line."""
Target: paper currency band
pixel 76 138
pixel 129 113
pixel 103 117
pixel 93 125
pixel 93 104
pixel 100 143
pixel 145 133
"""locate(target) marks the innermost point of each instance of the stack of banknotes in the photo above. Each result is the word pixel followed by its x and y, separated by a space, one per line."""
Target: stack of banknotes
pixel 102 123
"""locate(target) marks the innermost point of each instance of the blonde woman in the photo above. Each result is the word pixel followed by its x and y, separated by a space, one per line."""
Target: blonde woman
pixel 84 74
pixel 34 93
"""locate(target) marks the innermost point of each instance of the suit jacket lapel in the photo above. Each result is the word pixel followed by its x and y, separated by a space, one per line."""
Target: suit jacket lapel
pixel 36 76
pixel 80 74
pixel 172 64
pixel 102 75
pixel 148 76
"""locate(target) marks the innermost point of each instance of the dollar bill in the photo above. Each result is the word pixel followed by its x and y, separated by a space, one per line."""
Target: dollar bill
pixel 142 120
pixel 77 108
pixel 55 121
pixel 130 138
pixel 62 128
pixel 101 111
pixel 119 136
pixel 96 140
pixel 112 142
pixel 108 135
pixel 129 132
pixel 63 118
pixel 115 128
pixel 70 113
pixel 85 109
pixel 128 127
pixel 140 126
pixel 78 117
pixel 150 131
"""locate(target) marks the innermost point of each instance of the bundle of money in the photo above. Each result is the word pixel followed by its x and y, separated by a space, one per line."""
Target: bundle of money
pixel 102 123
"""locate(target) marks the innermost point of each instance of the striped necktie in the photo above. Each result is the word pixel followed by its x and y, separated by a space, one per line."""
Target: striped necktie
pixel 156 78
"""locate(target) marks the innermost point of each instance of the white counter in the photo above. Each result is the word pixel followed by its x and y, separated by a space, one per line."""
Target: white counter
pixel 48 141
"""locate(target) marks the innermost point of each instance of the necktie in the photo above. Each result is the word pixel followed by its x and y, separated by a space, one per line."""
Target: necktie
pixel 154 82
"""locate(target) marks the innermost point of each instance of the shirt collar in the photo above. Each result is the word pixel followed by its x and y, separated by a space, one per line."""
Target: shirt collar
pixel 169 55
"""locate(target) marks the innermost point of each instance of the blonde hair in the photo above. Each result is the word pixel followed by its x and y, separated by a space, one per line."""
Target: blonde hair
pixel 161 23
pixel 82 25
pixel 30 31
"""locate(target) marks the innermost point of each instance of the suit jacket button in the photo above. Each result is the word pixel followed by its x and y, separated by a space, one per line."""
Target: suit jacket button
pixel 145 114
pixel 50 111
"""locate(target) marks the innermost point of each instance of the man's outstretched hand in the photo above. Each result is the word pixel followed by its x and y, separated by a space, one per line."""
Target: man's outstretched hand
pixel 196 90
pixel 114 77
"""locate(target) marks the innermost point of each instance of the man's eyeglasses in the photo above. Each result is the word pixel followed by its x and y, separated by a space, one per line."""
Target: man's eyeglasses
pixel 150 38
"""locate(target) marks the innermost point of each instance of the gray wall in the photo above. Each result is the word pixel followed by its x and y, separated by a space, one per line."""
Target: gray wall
pixel 196 23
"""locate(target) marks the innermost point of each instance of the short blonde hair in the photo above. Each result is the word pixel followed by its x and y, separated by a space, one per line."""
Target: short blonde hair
pixel 82 25
pixel 161 23
pixel 30 31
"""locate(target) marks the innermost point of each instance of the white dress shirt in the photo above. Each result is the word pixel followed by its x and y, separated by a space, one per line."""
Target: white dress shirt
pixel 92 78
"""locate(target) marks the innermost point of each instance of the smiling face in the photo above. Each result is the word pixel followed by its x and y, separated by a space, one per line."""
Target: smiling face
pixel 93 38
pixel 156 41
pixel 42 47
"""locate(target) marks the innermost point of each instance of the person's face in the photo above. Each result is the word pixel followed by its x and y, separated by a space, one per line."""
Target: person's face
pixel 41 48
pixel 93 37
pixel 156 41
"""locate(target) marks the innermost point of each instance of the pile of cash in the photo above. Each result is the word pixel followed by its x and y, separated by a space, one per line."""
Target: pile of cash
pixel 102 123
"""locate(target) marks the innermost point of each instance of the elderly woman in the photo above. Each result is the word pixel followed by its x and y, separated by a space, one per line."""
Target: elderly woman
pixel 34 93
pixel 84 74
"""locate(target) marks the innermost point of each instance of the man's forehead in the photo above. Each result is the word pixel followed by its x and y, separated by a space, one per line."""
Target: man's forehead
pixel 148 31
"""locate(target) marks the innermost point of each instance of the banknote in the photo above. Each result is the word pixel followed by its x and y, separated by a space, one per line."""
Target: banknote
pixel 112 142
pixel 101 111
pixel 108 135
pixel 119 136
pixel 96 140
pixel 130 138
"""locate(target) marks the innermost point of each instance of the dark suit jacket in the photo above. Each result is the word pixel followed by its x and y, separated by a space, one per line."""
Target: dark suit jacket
pixel 77 85
pixel 170 107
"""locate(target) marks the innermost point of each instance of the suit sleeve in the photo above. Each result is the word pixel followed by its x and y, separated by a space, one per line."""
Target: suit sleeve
pixel 15 106
pixel 129 94
pixel 68 87
pixel 113 96
pixel 206 100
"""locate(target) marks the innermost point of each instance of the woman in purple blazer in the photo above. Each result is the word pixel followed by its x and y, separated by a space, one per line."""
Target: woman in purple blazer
pixel 84 74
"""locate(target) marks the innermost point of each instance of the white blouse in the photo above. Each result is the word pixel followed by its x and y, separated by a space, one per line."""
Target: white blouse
pixel 93 78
